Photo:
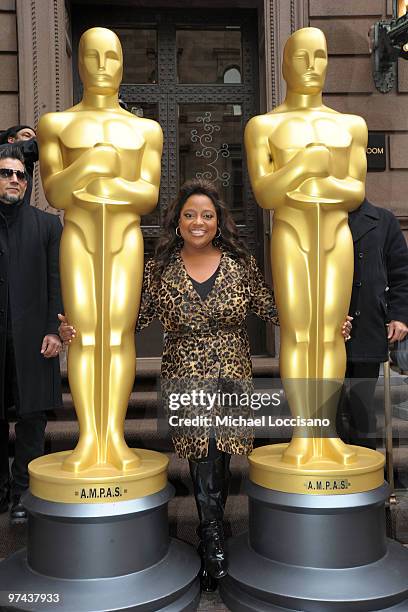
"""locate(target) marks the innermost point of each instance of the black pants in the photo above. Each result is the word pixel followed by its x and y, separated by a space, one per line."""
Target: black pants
pixel 29 429
pixel 356 422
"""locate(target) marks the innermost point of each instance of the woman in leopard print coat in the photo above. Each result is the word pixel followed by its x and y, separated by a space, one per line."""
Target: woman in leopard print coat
pixel 201 285
pixel 205 341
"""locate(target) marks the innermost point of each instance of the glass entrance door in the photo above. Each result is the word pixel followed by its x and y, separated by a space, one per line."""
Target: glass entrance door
pixel 196 76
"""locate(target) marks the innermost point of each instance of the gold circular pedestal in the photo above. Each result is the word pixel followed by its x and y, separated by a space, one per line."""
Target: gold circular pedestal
pixel 316 477
pixel 101 484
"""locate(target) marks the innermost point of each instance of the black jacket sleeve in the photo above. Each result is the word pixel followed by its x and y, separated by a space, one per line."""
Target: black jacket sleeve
pixel 54 287
pixel 396 261
pixel 262 297
pixel 147 311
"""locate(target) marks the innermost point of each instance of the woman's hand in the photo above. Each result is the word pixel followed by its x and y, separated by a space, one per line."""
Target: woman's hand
pixel 66 331
pixel 346 328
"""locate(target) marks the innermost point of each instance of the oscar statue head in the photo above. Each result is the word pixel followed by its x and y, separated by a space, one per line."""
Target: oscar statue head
pixel 402 8
pixel 100 61
pixel 305 61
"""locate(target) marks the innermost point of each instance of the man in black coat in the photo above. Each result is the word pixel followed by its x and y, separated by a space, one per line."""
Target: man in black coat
pixel 379 307
pixel 30 300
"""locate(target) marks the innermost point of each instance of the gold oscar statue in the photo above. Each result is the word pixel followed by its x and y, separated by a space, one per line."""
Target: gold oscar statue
pixel 308 163
pixel 101 165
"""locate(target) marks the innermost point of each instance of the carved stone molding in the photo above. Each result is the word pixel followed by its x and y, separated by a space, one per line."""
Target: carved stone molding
pixel 44 67
pixel 281 20
pixel 299 14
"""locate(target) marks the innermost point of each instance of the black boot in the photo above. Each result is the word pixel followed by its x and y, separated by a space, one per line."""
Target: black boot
pixel 210 490
pixel 227 477
pixel 4 499
pixel 18 514
pixel 207 582
pixel 212 542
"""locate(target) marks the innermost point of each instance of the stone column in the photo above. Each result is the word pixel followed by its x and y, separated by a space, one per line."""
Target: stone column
pixel 45 73
pixel 281 19
pixel 8 65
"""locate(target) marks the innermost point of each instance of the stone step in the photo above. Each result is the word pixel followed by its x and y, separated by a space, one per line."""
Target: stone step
pixel 142 404
pixel 145 431
pixel 149 367
pixel 140 432
pixel 148 370
pixel 145 403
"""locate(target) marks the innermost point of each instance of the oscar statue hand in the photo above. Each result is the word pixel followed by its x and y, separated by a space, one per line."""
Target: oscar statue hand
pixel 316 159
pixel 106 160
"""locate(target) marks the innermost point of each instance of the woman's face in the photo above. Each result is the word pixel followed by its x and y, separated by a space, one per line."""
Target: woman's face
pixel 198 221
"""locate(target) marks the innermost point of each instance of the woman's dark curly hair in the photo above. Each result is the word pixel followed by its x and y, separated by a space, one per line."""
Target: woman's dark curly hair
pixel 228 240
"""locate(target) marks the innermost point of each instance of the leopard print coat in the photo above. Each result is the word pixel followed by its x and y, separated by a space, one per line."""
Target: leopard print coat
pixel 206 343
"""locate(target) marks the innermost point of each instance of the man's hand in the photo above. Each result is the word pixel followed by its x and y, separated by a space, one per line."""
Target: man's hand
pixel 397 330
pixel 51 346
pixel 66 331
pixel 346 328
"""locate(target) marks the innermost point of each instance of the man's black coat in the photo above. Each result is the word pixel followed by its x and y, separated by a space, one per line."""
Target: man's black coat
pixel 29 270
pixel 380 284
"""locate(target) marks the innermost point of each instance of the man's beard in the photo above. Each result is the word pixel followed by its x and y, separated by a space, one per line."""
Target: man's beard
pixel 8 198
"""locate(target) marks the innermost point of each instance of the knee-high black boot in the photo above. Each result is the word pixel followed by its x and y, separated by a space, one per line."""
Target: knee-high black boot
pixel 210 479
pixel 227 477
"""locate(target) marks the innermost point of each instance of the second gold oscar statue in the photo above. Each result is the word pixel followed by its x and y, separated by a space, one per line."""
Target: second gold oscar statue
pixel 317 523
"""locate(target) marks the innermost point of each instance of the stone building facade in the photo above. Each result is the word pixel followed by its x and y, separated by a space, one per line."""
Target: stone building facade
pixel 36 67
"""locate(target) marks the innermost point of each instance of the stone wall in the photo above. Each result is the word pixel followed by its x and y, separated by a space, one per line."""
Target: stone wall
pixel 8 64
pixel 45 73
pixel 350 89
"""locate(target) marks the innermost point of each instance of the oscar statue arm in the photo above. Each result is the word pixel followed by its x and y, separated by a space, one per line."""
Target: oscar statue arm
pixel 59 182
pixel 270 185
pixel 143 192
pixel 351 189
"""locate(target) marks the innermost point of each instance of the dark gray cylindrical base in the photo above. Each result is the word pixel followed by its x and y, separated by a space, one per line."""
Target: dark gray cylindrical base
pixel 102 557
pixel 316 553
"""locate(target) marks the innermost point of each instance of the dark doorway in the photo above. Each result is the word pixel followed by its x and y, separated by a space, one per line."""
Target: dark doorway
pixel 196 74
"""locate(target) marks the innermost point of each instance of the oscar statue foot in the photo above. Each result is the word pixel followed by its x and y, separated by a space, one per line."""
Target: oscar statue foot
pixel 120 455
pixel 84 456
pixel 338 451
pixel 304 450
pixel 299 451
